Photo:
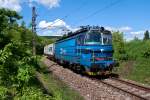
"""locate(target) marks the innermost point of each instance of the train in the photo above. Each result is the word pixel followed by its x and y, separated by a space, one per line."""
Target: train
pixel 88 50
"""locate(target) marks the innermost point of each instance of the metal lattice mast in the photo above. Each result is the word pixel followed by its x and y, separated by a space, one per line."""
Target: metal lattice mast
pixel 34 30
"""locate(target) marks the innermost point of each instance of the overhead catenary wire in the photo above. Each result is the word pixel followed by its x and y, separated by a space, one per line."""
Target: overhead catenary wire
pixel 98 11
pixel 85 18
pixel 77 9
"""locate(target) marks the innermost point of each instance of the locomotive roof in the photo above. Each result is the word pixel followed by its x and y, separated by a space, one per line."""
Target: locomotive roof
pixel 85 29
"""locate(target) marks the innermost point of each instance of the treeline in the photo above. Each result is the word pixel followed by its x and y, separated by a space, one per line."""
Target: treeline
pixel 17 65
pixel 131 50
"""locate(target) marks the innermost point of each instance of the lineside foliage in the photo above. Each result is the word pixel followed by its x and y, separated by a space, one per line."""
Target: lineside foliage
pixel 133 57
pixel 17 65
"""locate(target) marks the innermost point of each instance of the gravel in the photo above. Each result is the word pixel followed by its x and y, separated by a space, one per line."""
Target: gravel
pixel 88 88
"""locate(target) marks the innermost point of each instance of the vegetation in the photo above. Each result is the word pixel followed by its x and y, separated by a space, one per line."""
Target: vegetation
pixel 146 35
pixel 119 46
pixel 17 65
pixel 133 57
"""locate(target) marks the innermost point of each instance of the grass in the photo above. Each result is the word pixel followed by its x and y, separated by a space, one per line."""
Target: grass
pixel 58 89
pixel 141 71
pixel 138 70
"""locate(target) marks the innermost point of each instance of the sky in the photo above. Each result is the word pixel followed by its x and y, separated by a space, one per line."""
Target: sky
pixel 131 17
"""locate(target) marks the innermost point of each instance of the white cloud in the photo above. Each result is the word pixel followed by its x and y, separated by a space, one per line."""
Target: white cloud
pixel 58 23
pixel 122 29
pixel 125 29
pixel 10 4
pixel 44 24
pixel 131 35
pixel 16 6
pixel 138 32
pixel 52 32
pixel 128 33
pixel 49 3
pixel 57 27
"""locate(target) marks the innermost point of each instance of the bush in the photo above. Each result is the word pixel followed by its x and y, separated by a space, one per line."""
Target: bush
pixel 32 93
pixel 3 93
pixel 138 49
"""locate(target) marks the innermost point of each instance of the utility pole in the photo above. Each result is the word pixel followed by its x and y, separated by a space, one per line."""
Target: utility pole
pixel 34 15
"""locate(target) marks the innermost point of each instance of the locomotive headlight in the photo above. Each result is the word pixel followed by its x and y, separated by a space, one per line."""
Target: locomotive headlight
pixel 102 50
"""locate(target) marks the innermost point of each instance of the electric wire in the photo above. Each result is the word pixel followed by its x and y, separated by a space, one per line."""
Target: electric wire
pixel 98 11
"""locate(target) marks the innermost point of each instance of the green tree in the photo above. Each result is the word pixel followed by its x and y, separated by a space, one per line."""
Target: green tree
pixel 119 46
pixel 146 35
pixel 8 20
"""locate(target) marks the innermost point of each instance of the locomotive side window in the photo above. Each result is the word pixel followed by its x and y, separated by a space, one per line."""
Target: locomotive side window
pixel 80 39
pixel 107 39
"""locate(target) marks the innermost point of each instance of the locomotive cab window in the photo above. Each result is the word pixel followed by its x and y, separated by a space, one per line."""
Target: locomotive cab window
pixel 93 38
pixel 80 39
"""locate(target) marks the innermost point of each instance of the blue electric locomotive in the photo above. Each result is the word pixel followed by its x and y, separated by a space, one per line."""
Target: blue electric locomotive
pixel 88 49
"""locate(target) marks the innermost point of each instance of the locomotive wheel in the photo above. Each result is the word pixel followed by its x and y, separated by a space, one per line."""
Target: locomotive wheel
pixel 70 66
pixel 78 68
pixel 61 62
pixel 81 69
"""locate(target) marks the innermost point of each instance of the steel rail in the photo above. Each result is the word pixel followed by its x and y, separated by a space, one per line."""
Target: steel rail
pixel 147 89
pixel 118 88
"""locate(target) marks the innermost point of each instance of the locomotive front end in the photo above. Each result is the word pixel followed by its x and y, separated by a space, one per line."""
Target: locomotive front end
pixel 102 61
pixel 97 52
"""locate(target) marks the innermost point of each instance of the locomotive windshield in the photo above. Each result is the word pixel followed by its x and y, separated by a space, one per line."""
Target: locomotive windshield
pixel 98 38
pixel 93 38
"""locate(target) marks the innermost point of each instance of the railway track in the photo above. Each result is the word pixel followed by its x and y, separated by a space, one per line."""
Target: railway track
pixel 93 88
pixel 137 91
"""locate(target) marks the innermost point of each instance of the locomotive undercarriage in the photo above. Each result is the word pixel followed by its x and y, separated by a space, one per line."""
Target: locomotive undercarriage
pixel 96 69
